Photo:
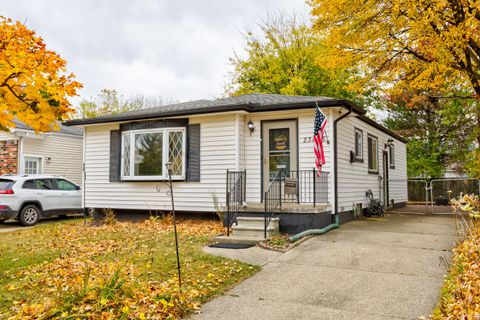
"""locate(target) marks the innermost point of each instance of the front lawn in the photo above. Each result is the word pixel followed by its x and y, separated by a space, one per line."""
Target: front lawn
pixel 125 270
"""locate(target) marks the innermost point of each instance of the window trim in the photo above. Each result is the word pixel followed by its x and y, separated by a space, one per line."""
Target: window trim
pixel 391 156
pixel 41 168
pixel 357 158
pixel 375 170
pixel 165 132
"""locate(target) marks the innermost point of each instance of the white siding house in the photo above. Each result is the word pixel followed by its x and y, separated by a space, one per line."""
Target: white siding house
pixel 257 134
pixel 22 151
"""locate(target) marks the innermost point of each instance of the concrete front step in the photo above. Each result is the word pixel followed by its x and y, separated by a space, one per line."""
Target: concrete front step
pixel 253 231
pixel 256 222
pixel 238 239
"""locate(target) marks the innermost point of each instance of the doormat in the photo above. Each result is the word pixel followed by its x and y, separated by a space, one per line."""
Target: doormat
pixel 231 245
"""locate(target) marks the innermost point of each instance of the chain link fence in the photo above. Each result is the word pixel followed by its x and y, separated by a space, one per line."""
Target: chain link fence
pixel 442 191
pixel 434 196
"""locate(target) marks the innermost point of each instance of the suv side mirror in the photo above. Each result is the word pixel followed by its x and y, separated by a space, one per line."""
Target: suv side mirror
pixel 78 188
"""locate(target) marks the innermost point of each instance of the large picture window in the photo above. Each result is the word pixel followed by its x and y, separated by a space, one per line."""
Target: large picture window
pixel 372 154
pixel 145 153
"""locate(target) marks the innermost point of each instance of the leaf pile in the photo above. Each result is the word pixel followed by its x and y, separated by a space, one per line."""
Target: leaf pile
pixel 460 295
pixel 120 271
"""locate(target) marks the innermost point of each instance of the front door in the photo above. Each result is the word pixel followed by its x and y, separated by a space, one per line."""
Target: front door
pixel 279 147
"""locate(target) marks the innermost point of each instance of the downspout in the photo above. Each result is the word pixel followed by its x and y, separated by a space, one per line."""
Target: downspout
pixel 336 222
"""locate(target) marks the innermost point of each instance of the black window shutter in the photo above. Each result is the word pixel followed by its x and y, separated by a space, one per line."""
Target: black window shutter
pixel 193 153
pixel 115 154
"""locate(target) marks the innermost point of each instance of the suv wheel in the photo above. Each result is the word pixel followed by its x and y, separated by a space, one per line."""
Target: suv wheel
pixel 29 215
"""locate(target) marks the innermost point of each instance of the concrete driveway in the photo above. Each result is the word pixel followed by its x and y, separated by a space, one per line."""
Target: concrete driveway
pixel 387 269
pixel 13 225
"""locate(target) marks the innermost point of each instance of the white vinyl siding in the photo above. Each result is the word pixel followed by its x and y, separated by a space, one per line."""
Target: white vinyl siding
pixel 226 143
pixel 217 154
pixel 219 151
pixel 4 135
pixel 61 154
pixel 354 178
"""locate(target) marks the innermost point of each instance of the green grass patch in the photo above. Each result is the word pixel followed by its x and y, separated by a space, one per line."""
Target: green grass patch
pixel 118 271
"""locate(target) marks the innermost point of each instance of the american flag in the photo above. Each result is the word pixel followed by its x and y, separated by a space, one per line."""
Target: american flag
pixel 318 134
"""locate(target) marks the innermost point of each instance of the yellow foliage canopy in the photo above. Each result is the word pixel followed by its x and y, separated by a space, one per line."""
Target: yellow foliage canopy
pixel 413 44
pixel 34 86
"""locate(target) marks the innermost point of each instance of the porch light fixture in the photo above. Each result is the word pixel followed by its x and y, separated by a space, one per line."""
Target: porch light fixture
pixel 389 143
pixel 251 126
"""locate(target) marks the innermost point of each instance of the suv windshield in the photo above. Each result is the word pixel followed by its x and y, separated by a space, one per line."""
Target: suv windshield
pixel 6 184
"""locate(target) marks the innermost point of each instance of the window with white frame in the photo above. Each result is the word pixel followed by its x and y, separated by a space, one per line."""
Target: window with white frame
pixel 32 165
pixel 358 144
pixel 372 154
pixel 145 153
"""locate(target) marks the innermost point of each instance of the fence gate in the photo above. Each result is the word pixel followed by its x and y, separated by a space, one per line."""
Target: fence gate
pixel 443 190
pixel 413 192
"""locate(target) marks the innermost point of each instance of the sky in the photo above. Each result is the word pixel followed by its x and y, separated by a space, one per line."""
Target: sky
pixel 175 49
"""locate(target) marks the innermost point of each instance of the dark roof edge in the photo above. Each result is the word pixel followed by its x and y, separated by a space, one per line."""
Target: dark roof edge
pixel 381 128
pixel 249 107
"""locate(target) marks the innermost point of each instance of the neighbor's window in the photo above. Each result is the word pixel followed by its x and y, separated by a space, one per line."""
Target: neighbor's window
pixel 145 153
pixel 372 154
pixel 358 144
pixel 391 150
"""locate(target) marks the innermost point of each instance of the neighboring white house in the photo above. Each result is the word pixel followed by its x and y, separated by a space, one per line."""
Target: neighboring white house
pixel 22 151
pixel 260 134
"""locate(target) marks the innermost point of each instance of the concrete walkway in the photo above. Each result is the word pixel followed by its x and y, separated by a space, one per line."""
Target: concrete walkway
pixel 387 269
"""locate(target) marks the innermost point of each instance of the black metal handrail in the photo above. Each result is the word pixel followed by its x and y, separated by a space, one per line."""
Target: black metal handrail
pixel 304 186
pixel 272 199
pixel 294 186
pixel 235 193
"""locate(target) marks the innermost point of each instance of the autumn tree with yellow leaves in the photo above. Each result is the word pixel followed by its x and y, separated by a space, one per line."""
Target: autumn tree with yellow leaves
pixel 34 84
pixel 431 46
pixel 404 44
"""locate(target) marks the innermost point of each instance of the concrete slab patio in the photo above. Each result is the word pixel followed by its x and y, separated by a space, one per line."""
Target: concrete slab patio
pixel 391 268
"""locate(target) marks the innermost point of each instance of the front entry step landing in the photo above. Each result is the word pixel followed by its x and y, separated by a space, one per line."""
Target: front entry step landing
pixel 249 230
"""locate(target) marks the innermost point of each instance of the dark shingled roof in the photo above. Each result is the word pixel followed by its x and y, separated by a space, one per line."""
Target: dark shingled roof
pixel 254 102
pixel 63 129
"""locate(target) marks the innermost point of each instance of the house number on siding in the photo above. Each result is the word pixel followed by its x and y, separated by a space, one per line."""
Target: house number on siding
pixel 307 139
pixel 310 140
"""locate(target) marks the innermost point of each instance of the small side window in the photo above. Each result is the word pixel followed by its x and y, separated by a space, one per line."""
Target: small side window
pixel 372 154
pixel 358 144
pixel 391 158
pixel 28 184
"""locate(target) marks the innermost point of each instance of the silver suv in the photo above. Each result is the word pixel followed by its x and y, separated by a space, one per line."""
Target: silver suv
pixel 28 198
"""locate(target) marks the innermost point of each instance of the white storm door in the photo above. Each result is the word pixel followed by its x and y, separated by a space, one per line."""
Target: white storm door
pixel 279 149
